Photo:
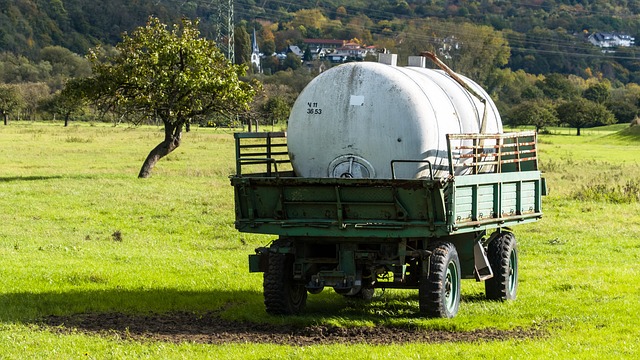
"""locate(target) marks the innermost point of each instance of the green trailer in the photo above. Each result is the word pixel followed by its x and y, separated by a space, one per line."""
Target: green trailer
pixel 358 235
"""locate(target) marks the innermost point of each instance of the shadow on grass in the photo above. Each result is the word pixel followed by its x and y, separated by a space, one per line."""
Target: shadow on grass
pixel 27 307
pixel 8 179
pixel 28 178
pixel 630 134
pixel 211 317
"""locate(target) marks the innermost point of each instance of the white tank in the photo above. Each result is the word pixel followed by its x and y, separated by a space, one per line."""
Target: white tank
pixel 355 119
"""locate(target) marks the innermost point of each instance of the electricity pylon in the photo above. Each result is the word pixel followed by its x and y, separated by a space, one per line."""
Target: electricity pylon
pixel 226 25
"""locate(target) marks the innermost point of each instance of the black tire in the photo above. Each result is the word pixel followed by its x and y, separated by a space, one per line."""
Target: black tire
pixel 503 258
pixel 282 295
pixel 439 293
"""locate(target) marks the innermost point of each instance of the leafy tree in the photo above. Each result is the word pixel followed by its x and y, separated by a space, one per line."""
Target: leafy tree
pixel 32 94
pixel 537 113
pixel 270 64
pixel 512 87
pixel 624 111
pixel 309 18
pixel 341 12
pixel 10 101
pixel 599 92
pixel 170 74
pixel 624 102
pixel 582 113
pixel 269 48
pixel 480 51
pixel 242 43
pixel 557 86
pixel 17 69
pixel 66 103
pixel 292 61
pixel 307 54
pixel 64 62
pixel 277 109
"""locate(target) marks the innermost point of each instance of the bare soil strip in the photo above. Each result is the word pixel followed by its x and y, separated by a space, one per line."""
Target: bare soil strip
pixel 208 328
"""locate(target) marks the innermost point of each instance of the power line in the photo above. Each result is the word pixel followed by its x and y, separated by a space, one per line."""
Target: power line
pixel 443 29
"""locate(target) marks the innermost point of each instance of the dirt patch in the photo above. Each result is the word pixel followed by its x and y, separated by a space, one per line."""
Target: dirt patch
pixel 209 328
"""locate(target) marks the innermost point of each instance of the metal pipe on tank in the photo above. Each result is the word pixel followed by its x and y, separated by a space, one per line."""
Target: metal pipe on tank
pixel 431 56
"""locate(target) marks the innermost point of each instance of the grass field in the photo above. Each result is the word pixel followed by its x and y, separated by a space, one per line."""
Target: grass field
pixel 80 234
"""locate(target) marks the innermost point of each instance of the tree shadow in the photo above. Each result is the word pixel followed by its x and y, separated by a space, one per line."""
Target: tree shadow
pixel 178 316
pixel 7 179
pixel 105 310
pixel 29 178
pixel 27 307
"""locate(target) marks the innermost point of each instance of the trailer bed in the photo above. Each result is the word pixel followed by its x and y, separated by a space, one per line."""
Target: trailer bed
pixel 279 203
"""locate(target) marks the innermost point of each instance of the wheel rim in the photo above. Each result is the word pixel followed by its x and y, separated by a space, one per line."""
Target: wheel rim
pixel 451 287
pixel 513 271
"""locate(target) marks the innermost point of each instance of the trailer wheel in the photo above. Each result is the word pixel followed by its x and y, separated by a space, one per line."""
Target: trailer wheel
pixel 503 258
pixel 282 295
pixel 439 293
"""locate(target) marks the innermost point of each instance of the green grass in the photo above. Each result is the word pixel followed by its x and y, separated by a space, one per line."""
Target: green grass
pixel 80 233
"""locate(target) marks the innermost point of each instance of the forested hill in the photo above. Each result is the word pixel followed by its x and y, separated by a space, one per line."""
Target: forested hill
pixel 27 25
pixel 544 36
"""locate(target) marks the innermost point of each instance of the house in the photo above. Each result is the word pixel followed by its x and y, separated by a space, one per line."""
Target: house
pixel 611 40
pixel 353 50
pixel 295 50
pixel 350 50
pixel 337 58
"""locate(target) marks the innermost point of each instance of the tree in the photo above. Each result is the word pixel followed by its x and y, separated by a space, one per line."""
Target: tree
pixel 307 54
pixel 64 62
pixel 242 43
pixel 537 113
pixel 599 92
pixel 557 86
pixel 581 113
pixel 10 101
pixel 270 64
pixel 477 51
pixel 170 74
pixel 33 94
pixel 292 61
pixel 276 109
pixel 624 111
pixel 66 103
pixel 269 48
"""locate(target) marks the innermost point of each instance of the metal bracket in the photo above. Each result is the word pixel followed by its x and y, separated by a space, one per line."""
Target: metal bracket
pixel 482 268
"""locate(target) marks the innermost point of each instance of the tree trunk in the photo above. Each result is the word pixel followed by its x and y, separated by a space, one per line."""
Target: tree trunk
pixel 578 132
pixel 6 119
pixel 172 138
pixel 66 120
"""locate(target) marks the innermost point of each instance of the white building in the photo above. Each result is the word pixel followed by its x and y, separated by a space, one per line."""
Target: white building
pixel 611 40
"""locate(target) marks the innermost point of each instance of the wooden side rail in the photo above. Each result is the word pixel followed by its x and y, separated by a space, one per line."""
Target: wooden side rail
pixel 492 153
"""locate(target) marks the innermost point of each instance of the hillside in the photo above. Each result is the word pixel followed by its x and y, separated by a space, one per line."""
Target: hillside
pixel 28 25
pixel 544 36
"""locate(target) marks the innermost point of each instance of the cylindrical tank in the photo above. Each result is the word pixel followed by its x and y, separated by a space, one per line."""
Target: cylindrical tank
pixel 355 119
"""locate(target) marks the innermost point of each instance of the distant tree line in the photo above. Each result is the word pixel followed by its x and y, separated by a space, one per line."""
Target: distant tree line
pixel 527 56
